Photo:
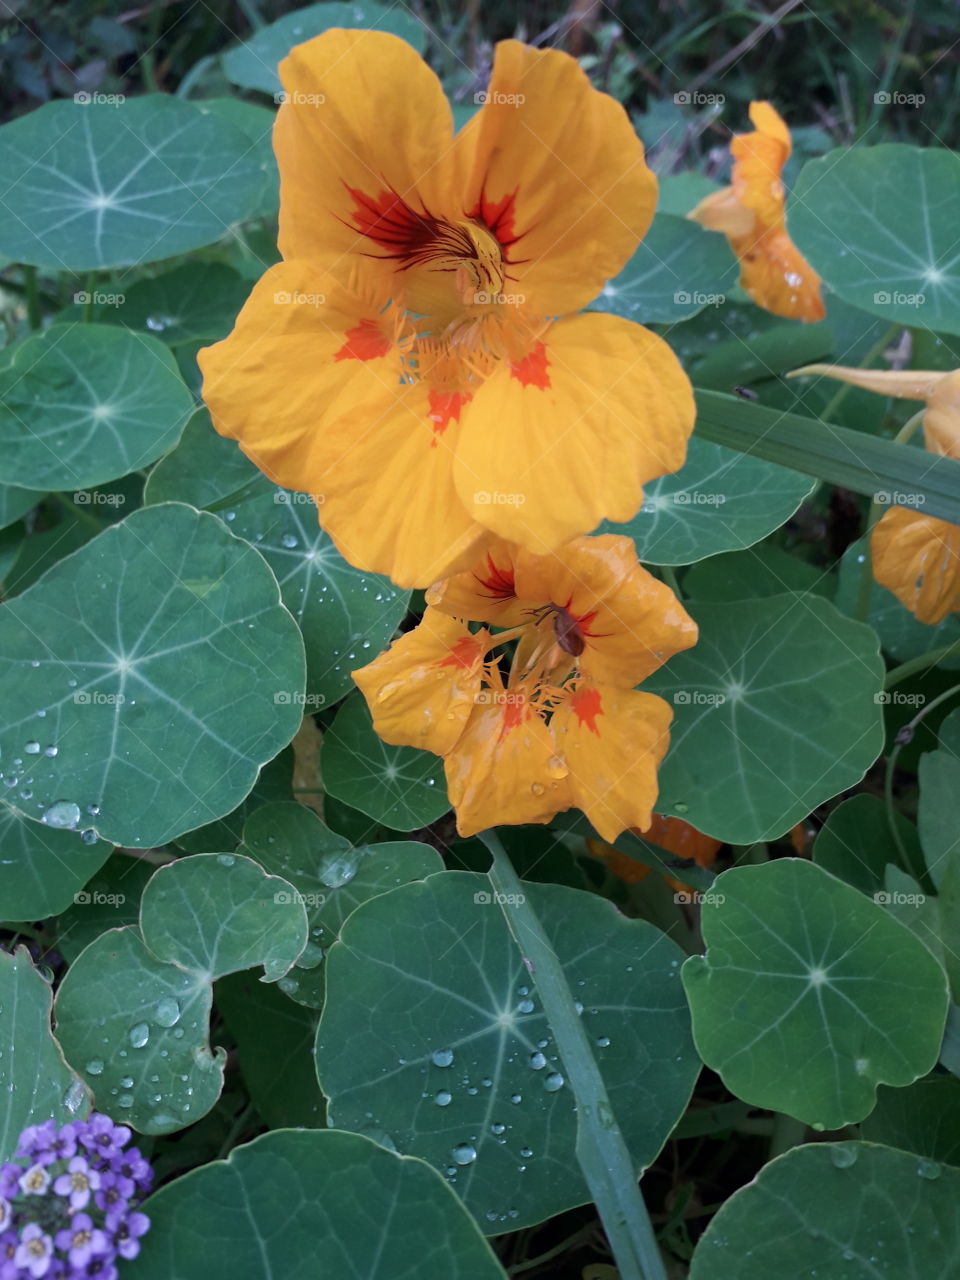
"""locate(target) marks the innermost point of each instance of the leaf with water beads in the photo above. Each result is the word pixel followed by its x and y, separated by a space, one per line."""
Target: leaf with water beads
pixel 848 1210
pixel 43 871
pixel 433 1037
pixel 36 1084
pixel 331 878
pixel 146 668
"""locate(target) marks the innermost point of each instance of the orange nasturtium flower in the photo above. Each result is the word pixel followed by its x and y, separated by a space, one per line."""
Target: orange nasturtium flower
pixel 672 834
pixel 563 726
pixel 917 557
pixel 416 361
pixel 750 213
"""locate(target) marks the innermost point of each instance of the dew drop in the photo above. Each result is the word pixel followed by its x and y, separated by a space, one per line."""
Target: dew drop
pixel 516 1098
pixel 928 1169
pixel 464 1153
pixel 94 1067
pixel 75 1095
pixel 32 748
pixel 166 1013
pixel 526 1006
pixel 64 815
pixel 553 1082
pixel 603 1042
pixel 442 1057
pixel 139 1035
pixel 843 1156
pixel 443 1098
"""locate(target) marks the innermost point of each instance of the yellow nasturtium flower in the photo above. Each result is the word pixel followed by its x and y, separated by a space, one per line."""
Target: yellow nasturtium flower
pixel 416 361
pixel 750 213
pixel 917 557
pixel 564 726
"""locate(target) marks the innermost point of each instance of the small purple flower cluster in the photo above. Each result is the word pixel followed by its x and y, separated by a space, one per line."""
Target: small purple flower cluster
pixel 69 1210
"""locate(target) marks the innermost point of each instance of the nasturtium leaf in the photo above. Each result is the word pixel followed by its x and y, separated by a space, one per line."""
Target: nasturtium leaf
pixel 275 1049
pixel 399 786
pixel 840 1210
pixel 809 995
pixel 15 502
pixel 136 1028
pixel 433 1035
pixel 196 300
pixel 923 1118
pixel 856 843
pixel 139 679
pixel 719 500
pixel 216 913
pixel 346 616
pixel 775 712
pixel 274 784
pixel 109 900
pixel 257 123
pixel 758 571
pixel 682 192
pixel 901 635
pixel 879 225
pixel 253 65
pixel 677 270
pixel 83 403
pixel 316 1205
pixel 42 871
pixel 939 777
pixel 203 469
pixel 91 185
pixel 36 1084
pixel 47 547
pixel 330 876
pixel 11 544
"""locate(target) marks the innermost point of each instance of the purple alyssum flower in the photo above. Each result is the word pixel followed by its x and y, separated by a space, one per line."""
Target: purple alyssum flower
pixel 69 1209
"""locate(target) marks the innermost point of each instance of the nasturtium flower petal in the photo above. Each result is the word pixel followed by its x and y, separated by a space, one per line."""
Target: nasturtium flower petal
pixel 565 438
pixel 612 741
pixel 558 168
pixel 750 213
pixel 505 769
pixel 917 557
pixel 422 690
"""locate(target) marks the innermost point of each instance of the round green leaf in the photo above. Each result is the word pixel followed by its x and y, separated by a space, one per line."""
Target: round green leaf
pixel 924 1119
pixel 879 224
pixel 196 300
pixel 42 871
pixel 901 635
pixel 203 468
pixel 109 900
pixel 775 711
pixel 257 123
pixel 399 786
pixel 36 1084
pixel 312 1206
pixel 330 876
pixel 81 404
pixel 139 679
pixel 810 995
pixel 677 271
pixel 253 65
pixel 758 571
pixel 15 503
pixel 216 913
pixel 719 500
pixel 136 1029
pixel 840 1210
pixel 855 843
pixel 432 1035
pixel 88 185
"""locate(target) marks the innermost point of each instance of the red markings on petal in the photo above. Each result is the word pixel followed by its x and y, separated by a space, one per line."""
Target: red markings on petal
pixel 514 714
pixel 498 584
pixel 586 705
pixel 497 216
pixel 465 654
pixel 365 341
pixel 532 370
pixel 446 407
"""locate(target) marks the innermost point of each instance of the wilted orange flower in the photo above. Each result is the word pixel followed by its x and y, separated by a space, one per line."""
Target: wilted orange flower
pixel 564 725
pixel 750 213
pixel 917 557
pixel 414 361
pixel 672 834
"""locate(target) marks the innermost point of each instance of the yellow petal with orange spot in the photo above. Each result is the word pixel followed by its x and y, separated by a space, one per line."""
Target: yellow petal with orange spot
pixel 365 130
pixel 303 347
pixel 556 170
pixel 566 437
pixel 612 741
pixel 917 557
pixel 422 690
pixel 504 769
pixel 629 621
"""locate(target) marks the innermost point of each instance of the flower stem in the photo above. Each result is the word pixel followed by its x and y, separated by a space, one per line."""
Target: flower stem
pixel 921 663
pixel 903 737
pixel 34 314
pixel 601 1150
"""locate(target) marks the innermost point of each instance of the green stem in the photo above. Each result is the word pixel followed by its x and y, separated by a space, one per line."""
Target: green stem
pixel 903 737
pixel 787 1133
pixel 601 1151
pixel 876 511
pixel 238 1126
pixel 670 578
pixel 921 663
pixel 34 314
